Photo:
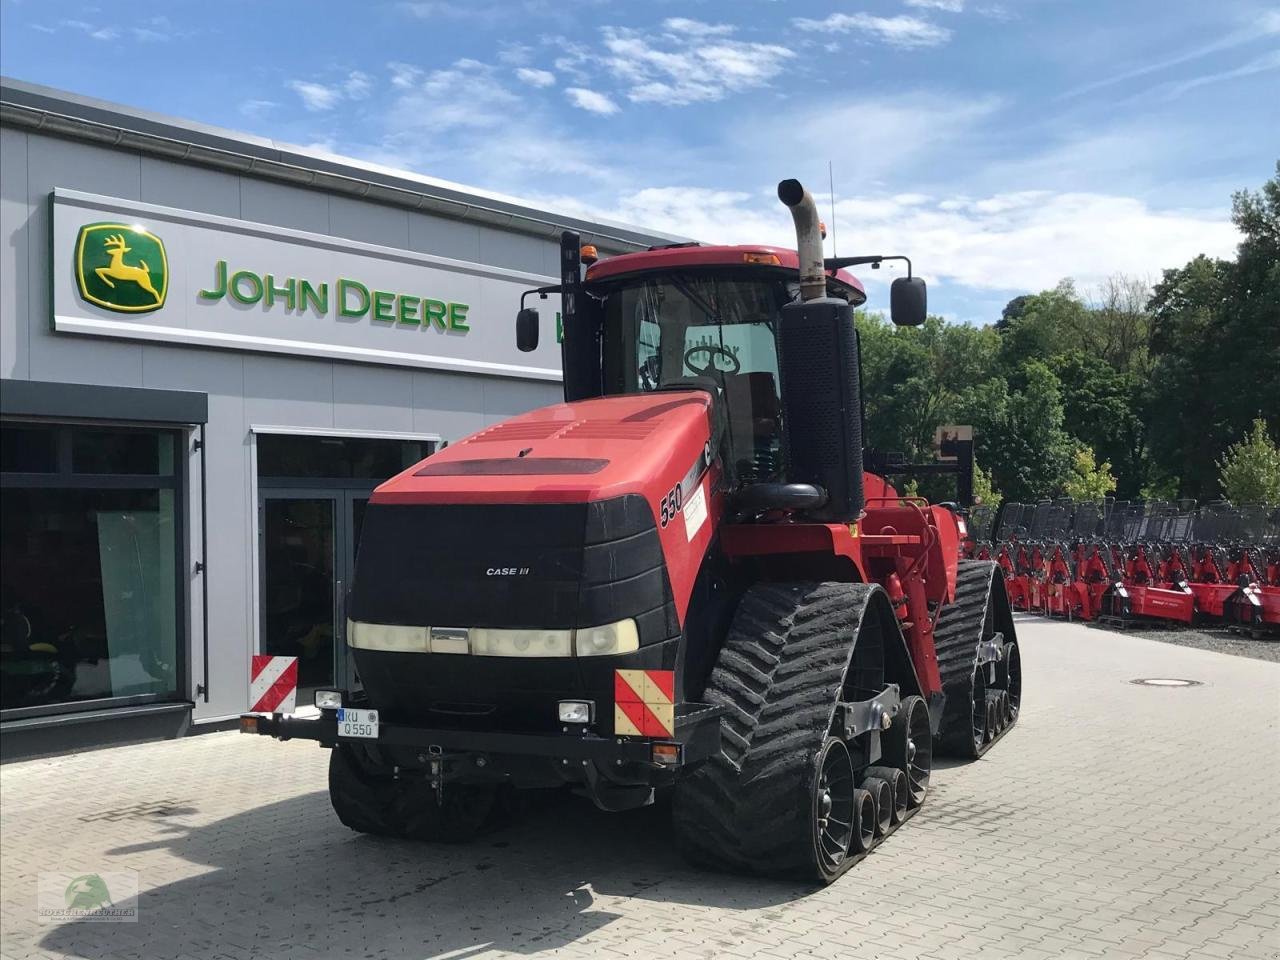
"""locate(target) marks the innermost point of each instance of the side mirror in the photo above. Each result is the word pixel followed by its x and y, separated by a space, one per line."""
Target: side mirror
pixel 908 302
pixel 527 330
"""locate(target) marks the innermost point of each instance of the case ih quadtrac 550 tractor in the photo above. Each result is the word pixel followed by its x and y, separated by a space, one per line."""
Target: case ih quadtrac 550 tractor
pixel 680 577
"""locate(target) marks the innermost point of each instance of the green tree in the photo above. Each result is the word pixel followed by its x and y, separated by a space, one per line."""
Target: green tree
pixel 1020 432
pixel 1215 346
pixel 1087 479
pixel 1250 468
pixel 984 490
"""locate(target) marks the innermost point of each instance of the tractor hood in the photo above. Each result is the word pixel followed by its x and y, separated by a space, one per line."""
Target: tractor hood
pixel 579 452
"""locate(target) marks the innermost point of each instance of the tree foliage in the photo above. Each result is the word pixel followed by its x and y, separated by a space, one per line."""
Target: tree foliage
pixel 1088 479
pixel 1250 469
pixel 1154 382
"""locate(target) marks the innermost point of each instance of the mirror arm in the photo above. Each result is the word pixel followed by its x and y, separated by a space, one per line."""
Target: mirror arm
pixel 839 263
pixel 541 292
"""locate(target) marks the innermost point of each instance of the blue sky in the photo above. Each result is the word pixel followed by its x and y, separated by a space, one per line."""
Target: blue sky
pixel 1002 144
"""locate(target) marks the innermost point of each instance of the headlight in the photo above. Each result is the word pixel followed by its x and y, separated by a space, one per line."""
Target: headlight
pixel 620 637
pixel 488 642
pixel 328 699
pixel 387 636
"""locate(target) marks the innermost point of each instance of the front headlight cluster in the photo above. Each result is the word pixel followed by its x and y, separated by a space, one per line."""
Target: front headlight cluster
pixel 606 640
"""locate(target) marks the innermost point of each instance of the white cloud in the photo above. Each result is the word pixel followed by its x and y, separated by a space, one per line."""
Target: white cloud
pixel 688 67
pixel 466 95
pixel 536 78
pixel 697 28
pixel 256 109
pixel 950 6
pixel 591 100
pixel 901 31
pixel 1171 91
pixel 316 97
pixel 404 75
pixel 319 97
pixel 1023 241
pixel 357 86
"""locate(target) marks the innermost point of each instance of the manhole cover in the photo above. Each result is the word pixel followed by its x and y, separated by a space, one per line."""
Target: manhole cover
pixel 1164 682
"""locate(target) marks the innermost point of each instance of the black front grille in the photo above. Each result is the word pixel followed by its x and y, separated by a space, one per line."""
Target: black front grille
pixel 542 565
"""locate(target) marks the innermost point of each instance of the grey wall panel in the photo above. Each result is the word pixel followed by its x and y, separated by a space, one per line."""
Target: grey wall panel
pixel 516 251
pixel 190 188
pixel 15 278
pixel 504 399
pixel 449 404
pixel 229 554
pixel 372 398
pixel 285 206
pixel 58 163
pixel 444 238
pixel 282 391
pixel 370 222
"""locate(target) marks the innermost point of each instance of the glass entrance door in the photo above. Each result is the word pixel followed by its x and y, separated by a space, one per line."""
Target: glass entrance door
pixel 309 540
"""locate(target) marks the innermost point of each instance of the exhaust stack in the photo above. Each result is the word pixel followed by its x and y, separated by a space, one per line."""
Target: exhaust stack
pixel 804 211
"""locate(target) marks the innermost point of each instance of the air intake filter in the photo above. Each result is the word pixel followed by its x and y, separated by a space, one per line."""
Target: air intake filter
pixel 822 420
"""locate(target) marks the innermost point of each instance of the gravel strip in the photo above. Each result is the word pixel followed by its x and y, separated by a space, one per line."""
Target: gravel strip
pixel 1219 639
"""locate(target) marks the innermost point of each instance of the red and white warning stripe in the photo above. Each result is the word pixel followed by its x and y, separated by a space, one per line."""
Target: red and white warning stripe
pixel 644 703
pixel 273 684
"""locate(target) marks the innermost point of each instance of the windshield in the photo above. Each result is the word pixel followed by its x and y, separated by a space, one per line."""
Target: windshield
pixel 662 330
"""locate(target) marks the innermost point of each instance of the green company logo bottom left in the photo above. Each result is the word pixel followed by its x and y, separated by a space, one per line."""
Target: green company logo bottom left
pixel 121 267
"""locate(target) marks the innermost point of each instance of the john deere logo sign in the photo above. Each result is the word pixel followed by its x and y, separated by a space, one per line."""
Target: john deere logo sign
pixel 121 267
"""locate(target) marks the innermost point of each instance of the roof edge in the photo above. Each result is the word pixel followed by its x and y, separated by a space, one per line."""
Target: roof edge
pixel 65 114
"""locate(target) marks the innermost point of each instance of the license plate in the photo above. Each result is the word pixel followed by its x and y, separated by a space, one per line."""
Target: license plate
pixel 358 724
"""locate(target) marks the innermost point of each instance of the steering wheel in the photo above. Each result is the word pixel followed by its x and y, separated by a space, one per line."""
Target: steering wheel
pixel 710 369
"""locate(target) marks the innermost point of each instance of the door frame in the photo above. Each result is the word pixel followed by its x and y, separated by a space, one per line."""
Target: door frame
pixel 253 558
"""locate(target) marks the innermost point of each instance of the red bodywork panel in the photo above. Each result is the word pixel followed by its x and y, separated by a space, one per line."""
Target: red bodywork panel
pixel 673 258
pixel 591 450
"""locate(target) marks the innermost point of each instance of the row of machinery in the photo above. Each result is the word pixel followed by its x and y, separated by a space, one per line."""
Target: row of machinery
pixel 1130 563
pixel 681 580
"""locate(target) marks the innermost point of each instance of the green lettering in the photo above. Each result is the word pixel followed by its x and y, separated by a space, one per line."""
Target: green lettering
pixel 407 309
pixel 319 299
pixel 362 294
pixel 383 304
pixel 433 311
pixel 219 283
pixel 289 291
pixel 559 328
pixel 458 317
pixel 255 287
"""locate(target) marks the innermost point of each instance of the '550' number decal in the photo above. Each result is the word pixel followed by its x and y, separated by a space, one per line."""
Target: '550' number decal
pixel 672 504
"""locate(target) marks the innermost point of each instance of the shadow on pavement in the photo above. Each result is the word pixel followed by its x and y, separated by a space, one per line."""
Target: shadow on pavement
pixel 288 880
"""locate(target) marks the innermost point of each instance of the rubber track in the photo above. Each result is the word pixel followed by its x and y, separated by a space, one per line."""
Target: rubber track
pixel 955 639
pixel 778 676
pixel 361 802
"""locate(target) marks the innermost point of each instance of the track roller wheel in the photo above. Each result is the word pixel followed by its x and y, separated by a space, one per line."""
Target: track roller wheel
pixel 833 813
pixel 883 794
pixel 864 834
pixel 1010 677
pixel 897 781
pixel 908 745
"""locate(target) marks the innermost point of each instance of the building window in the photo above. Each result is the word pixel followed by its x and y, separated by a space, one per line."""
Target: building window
pixel 90 541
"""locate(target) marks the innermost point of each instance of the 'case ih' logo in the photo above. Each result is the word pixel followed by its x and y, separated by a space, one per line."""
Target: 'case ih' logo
pixel 121 267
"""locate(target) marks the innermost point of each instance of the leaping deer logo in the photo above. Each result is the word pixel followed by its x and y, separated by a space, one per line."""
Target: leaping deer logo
pixel 117 269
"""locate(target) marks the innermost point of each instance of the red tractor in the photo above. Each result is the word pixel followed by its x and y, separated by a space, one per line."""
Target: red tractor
pixel 681 577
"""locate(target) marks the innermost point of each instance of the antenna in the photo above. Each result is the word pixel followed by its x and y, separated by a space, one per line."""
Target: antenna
pixel 831 183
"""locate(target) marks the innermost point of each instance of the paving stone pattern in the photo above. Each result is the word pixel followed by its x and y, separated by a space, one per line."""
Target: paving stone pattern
pixel 1114 821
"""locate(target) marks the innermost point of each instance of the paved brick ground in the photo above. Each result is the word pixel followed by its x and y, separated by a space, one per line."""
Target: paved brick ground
pixel 1114 821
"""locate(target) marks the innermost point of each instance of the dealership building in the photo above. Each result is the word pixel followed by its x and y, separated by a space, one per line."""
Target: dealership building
pixel 212 348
